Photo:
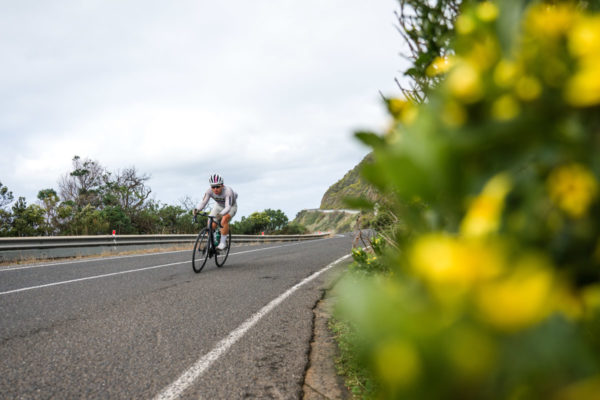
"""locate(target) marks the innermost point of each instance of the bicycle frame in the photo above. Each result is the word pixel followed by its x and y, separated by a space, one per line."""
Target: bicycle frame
pixel 208 235
pixel 212 221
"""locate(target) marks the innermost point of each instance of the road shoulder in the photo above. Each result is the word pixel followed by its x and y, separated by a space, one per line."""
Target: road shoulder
pixel 321 380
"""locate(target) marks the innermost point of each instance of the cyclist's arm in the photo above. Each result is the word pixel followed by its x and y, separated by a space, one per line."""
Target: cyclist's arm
pixel 228 204
pixel 204 202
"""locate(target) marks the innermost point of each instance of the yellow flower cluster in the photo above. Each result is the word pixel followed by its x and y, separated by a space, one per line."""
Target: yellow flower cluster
pixel 552 25
pixel 583 89
pixel 402 110
pixel 538 62
pixel 508 294
pixel 573 188
pixel 483 216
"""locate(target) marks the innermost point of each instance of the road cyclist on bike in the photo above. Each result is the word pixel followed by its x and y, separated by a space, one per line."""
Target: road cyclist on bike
pixel 225 207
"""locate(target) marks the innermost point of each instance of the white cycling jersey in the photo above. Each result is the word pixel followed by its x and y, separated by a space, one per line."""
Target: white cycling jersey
pixel 227 199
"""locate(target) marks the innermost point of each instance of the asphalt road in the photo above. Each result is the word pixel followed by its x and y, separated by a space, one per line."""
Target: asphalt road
pixel 148 327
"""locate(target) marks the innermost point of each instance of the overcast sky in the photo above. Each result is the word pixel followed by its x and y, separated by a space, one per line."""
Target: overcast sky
pixel 266 93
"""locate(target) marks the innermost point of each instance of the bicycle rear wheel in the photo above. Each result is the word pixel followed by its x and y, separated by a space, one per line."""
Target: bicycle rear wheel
pixel 222 255
pixel 201 250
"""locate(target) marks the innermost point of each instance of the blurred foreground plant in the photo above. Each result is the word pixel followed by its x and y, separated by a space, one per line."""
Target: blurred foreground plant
pixel 492 284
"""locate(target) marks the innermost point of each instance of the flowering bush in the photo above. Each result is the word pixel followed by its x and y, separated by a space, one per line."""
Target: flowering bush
pixel 494 283
pixel 367 260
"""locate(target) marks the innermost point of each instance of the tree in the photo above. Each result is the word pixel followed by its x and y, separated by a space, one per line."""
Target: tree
pixel 256 223
pixel 6 197
pixel 127 189
pixel 277 220
pixel 88 221
pixel 49 201
pixel 82 186
pixel 27 220
pixel 128 192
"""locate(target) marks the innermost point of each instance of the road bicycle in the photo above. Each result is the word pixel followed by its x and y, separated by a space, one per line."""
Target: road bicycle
pixel 206 245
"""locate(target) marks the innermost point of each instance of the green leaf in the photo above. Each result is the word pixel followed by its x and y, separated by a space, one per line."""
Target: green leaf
pixel 370 139
pixel 358 203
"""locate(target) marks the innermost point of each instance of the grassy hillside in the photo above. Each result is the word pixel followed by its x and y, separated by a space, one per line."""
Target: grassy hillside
pixel 351 185
pixel 318 220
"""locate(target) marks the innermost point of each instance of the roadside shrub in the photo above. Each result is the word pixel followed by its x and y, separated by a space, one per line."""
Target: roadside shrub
pixel 492 285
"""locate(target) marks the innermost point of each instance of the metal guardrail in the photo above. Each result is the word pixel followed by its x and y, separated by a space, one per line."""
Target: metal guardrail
pixel 45 247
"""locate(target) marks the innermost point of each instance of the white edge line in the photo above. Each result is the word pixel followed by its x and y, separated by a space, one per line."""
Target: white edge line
pixel 185 380
pixel 89 278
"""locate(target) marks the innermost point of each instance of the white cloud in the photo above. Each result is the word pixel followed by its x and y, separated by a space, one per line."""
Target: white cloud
pixel 266 93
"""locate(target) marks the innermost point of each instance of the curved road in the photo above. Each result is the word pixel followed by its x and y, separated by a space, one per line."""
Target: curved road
pixel 148 327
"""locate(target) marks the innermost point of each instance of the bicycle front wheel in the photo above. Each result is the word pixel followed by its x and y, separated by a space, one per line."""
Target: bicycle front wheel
pixel 200 255
pixel 222 255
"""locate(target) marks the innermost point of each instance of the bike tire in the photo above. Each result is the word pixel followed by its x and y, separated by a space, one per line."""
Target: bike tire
pixel 201 251
pixel 221 255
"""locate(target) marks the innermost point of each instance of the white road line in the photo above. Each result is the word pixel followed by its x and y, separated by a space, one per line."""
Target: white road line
pixel 127 272
pixel 175 389
pixel 20 267
pixel 89 278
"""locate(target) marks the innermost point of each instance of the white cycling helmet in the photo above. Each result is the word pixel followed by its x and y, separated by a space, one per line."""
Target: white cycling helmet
pixel 215 179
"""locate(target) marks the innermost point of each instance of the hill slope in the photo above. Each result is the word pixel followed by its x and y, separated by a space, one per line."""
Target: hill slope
pixel 351 185
pixel 327 220
pixel 331 216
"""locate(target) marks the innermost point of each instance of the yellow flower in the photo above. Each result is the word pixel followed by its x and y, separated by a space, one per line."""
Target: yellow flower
pixel 505 108
pixel 528 88
pixel 519 300
pixel 402 110
pixel 465 24
pixel 550 21
pixel 396 106
pixel 442 259
pixel 505 73
pixel 454 114
pixel 464 83
pixel 572 188
pixel 483 53
pixel 487 11
pixel 583 89
pixel 439 66
pixel 397 363
pixel 484 213
pixel 584 38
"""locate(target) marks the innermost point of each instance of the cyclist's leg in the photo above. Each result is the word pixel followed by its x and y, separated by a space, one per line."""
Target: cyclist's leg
pixel 226 218
pixel 214 213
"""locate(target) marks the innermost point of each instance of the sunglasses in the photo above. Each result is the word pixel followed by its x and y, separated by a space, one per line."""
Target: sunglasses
pixel 216 187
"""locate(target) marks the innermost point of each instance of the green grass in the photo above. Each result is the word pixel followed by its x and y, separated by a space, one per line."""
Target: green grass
pixel 349 365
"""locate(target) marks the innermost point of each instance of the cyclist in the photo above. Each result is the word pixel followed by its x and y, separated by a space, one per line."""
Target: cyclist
pixel 226 206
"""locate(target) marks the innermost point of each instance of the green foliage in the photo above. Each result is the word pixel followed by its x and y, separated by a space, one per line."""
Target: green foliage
pixel 491 283
pixel 269 222
pixel 350 363
pixel 6 196
pixel 26 220
pixel 368 261
pixel 293 228
pixel 427 29
pixel 277 220
pixel 317 220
